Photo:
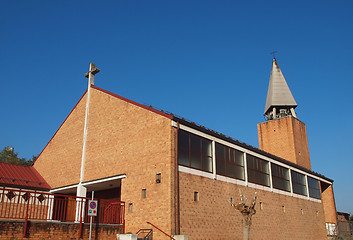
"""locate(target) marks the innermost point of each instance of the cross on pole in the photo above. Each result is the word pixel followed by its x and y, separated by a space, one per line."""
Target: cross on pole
pixel 90 75
pixel 273 53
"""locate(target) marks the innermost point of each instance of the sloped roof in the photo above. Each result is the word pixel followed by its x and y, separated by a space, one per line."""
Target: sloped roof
pixel 18 176
pixel 200 128
pixel 278 93
pixel 149 108
pixel 214 133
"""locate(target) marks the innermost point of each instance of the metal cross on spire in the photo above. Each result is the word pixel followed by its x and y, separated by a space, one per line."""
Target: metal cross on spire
pixel 274 53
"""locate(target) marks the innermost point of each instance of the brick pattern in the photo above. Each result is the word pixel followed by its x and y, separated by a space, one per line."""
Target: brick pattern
pixel 122 138
pixel 286 138
pixel 126 139
pixel 328 201
pixel 11 230
pixel 60 161
pixel 212 217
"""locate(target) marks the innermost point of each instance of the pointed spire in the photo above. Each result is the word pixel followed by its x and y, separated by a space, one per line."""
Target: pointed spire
pixel 280 101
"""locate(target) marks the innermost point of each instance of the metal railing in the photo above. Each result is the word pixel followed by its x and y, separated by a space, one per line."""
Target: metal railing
pixel 160 230
pixel 145 234
pixel 113 213
pixel 43 206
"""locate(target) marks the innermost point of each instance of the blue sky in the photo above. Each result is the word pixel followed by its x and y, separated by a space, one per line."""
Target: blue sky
pixel 208 61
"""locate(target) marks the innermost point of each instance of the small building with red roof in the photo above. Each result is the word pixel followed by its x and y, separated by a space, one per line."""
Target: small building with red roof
pixel 22 177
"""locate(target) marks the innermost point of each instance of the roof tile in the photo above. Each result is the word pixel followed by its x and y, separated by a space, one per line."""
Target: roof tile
pixel 27 177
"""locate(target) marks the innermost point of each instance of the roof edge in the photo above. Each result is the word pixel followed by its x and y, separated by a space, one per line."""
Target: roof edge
pixel 60 127
pixel 246 146
pixel 24 187
pixel 112 94
pixel 169 116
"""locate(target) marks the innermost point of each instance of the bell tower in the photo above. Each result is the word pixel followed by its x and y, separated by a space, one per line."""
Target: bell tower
pixel 283 134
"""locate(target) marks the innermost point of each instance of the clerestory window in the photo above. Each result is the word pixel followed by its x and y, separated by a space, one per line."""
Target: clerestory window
pixel 258 170
pixel 280 177
pixel 298 183
pixel 229 162
pixel 314 188
pixel 194 151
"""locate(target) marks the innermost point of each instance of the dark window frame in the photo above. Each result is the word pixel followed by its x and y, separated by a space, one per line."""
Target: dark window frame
pixel 280 178
pixel 226 160
pixel 189 151
pixel 252 172
pixel 296 183
pixel 313 191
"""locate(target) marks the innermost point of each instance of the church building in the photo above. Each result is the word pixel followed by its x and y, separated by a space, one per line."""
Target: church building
pixel 180 176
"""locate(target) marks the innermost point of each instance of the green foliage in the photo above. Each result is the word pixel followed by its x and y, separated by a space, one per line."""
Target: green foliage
pixel 351 218
pixel 7 155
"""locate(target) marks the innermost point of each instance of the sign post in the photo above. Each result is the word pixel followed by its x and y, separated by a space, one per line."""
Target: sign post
pixel 92 211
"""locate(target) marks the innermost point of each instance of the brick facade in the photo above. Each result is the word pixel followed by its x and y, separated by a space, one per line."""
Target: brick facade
pixel 126 138
pixel 13 230
pixel 122 138
pixel 212 217
pixel 329 205
pixel 286 138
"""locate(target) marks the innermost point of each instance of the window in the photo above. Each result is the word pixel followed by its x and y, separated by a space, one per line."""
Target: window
pixel 194 151
pixel 258 170
pixel 298 183
pixel 196 196
pixel 130 207
pixel 229 162
pixel 314 188
pixel 280 177
pixel 144 193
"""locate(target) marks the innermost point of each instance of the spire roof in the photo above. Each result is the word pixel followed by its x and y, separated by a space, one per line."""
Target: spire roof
pixel 278 91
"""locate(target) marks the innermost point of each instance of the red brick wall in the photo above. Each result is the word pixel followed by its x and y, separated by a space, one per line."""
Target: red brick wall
pixel 58 231
pixel 212 217
pixel 286 138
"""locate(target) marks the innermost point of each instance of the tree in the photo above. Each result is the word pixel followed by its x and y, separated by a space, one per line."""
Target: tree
pixel 351 218
pixel 246 211
pixel 31 161
pixel 7 155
